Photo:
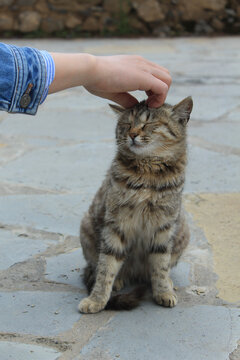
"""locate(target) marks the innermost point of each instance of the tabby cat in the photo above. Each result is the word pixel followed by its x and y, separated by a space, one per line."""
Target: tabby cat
pixel 135 229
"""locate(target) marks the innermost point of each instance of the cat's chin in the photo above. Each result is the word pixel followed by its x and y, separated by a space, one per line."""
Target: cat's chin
pixel 142 149
pixel 137 149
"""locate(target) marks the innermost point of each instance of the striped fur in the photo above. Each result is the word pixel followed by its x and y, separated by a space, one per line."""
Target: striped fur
pixel 135 229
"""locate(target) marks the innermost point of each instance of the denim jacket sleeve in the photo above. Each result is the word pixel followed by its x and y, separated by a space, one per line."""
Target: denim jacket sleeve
pixel 23 77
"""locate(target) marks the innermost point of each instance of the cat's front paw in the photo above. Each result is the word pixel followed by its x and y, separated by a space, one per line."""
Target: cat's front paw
pixel 88 306
pixel 167 299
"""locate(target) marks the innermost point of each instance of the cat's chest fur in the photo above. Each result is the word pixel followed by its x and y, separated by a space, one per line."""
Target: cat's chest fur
pixel 139 213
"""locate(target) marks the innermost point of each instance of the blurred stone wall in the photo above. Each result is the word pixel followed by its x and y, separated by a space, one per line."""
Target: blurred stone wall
pixel 118 17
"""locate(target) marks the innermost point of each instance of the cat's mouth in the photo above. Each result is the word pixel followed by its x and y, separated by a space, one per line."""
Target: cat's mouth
pixel 135 143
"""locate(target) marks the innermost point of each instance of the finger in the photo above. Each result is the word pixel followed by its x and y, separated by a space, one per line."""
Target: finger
pixel 156 101
pixel 157 96
pixel 124 99
pixel 149 93
pixel 157 93
pixel 160 67
pixel 163 76
pixel 153 84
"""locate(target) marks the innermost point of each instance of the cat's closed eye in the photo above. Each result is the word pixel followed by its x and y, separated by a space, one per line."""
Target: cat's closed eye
pixel 151 126
pixel 126 126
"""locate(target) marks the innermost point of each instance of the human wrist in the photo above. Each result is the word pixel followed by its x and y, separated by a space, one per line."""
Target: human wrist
pixel 99 77
pixel 71 70
pixel 87 68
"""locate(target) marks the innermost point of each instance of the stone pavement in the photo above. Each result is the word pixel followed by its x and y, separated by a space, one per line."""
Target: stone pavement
pixel 51 166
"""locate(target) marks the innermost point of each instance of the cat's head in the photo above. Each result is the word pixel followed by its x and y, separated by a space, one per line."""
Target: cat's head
pixel 145 131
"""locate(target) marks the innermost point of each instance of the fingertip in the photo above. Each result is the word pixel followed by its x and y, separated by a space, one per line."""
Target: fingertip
pixel 155 101
pixel 153 104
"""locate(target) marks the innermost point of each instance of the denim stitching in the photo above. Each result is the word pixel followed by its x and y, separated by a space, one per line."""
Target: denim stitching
pixel 16 79
pixel 22 80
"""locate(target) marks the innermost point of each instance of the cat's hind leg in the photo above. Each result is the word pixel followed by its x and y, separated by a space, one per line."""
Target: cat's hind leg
pixel 180 241
pixel 89 277
pixel 118 284
pixel 89 241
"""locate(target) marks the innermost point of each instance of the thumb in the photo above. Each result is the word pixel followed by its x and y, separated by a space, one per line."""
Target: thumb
pixel 124 99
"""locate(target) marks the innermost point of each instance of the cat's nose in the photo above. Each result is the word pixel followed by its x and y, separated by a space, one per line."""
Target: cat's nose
pixel 133 135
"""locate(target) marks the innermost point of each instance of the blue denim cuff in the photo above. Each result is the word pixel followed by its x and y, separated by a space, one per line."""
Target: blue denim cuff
pixel 30 80
pixel 7 76
pixel 50 69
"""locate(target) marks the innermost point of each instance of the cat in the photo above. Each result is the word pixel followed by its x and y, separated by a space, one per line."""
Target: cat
pixel 135 230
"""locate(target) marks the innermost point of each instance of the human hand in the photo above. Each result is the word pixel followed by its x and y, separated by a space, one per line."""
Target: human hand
pixel 112 77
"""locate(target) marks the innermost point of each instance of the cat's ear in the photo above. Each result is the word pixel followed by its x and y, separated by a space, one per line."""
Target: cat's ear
pixel 183 110
pixel 117 109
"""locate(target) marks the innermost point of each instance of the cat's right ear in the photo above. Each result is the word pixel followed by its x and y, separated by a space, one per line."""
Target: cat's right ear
pixel 117 109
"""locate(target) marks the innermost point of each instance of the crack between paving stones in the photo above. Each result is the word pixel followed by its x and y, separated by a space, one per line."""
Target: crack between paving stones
pixel 8 189
pixel 235 354
pixel 51 342
pixel 87 322
pixel 64 287
pixel 29 231
pixel 220 118
pixel 221 149
pixel 231 332
pixel 65 245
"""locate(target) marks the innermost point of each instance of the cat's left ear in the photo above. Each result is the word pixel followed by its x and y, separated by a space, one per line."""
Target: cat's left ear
pixel 184 109
pixel 117 109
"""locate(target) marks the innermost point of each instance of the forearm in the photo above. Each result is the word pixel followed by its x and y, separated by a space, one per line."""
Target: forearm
pixel 71 70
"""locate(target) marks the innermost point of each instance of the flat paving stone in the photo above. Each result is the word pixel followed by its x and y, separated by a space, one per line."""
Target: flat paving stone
pixel 66 268
pixel 10 149
pixel 234 115
pixel 17 351
pixel 63 169
pixel 83 124
pixel 210 68
pixel 180 274
pixel 156 333
pixel 17 243
pixel 38 313
pixel 208 171
pixel 213 133
pixel 205 108
pixel 54 213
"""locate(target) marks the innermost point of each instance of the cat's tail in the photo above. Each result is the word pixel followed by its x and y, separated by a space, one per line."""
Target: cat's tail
pixel 127 301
